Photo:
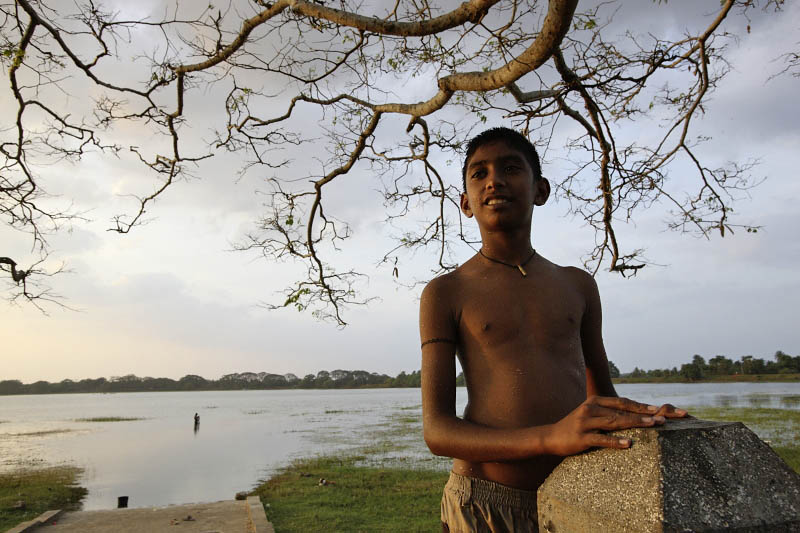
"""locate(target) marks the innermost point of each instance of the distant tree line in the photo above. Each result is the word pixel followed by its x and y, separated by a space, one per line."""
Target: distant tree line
pixel 352 379
pixel 719 365
pixel 336 379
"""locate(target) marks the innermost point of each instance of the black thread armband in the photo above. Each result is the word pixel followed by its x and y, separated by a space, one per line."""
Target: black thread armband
pixel 437 339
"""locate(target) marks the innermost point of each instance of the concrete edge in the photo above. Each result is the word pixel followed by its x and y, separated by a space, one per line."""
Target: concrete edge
pixel 30 525
pixel 257 516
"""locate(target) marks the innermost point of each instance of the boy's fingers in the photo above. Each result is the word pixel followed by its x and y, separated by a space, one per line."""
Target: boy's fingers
pixel 670 411
pixel 610 419
pixel 624 404
pixel 608 441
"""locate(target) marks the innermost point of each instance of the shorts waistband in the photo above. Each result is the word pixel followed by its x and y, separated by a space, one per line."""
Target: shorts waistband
pixel 491 492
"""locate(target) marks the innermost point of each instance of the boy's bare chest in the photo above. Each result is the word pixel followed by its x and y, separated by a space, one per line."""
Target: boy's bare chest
pixel 524 315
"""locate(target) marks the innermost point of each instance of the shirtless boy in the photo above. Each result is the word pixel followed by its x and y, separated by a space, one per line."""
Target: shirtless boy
pixel 528 335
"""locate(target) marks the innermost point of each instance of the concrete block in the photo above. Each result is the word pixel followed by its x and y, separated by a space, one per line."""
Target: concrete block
pixel 257 516
pixel 688 475
pixel 30 525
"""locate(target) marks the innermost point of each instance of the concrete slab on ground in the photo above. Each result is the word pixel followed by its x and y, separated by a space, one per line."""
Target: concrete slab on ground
pixel 218 517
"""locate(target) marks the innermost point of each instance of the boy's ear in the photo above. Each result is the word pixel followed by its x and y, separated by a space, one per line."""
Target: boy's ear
pixel 465 208
pixel 542 192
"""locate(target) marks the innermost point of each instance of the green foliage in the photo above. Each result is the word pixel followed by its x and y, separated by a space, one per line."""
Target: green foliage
pixel 360 498
pixel 691 371
pixel 336 379
pixel 18 55
pixel 612 369
pixel 294 297
pixel 720 366
pixel 39 491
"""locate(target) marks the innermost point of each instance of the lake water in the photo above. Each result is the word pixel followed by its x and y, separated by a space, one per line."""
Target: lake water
pixel 245 436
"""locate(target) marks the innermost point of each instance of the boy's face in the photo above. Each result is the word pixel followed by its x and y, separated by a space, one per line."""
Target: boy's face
pixel 501 191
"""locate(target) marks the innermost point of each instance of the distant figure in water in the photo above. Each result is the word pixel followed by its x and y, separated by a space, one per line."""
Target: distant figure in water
pixel 196 422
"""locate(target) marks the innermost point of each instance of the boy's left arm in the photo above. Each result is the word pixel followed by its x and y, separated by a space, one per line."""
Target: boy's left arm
pixel 598 377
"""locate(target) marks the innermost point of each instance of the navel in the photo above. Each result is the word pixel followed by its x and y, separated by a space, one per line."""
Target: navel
pixel 486 326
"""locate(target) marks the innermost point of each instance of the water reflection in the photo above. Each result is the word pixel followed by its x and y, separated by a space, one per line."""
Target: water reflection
pixel 791 401
pixel 757 395
pixel 759 400
pixel 725 400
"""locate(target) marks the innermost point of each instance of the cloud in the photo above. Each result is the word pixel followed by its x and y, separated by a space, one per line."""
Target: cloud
pixel 169 299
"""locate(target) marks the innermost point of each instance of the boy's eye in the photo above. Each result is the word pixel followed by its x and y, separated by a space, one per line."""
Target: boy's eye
pixel 512 168
pixel 478 174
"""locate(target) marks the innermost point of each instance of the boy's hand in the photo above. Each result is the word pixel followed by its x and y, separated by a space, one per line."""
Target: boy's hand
pixel 580 430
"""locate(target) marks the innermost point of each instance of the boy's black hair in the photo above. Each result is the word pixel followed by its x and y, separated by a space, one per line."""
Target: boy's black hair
pixel 513 139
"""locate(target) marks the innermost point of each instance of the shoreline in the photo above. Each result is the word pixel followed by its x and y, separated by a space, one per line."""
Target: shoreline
pixel 736 378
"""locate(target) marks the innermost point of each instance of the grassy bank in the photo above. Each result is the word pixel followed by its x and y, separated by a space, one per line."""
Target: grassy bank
pixel 357 498
pixel 25 494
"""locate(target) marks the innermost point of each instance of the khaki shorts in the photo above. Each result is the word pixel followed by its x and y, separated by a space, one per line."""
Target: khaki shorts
pixel 476 505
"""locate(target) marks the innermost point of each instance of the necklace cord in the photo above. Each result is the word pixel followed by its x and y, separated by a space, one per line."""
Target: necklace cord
pixel 518 267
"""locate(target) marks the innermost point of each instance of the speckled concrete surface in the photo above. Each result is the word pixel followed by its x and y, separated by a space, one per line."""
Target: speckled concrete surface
pixel 688 475
pixel 218 517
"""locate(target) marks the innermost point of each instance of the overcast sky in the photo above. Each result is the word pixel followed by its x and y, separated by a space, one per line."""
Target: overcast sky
pixel 170 298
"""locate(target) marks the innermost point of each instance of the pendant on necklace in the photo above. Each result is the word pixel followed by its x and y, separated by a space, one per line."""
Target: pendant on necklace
pixel 518 267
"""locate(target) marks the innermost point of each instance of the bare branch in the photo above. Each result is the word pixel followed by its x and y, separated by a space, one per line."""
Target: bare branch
pixel 262 71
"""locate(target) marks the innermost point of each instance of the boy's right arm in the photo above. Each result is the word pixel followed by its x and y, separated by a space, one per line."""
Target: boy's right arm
pixel 448 435
pixel 445 433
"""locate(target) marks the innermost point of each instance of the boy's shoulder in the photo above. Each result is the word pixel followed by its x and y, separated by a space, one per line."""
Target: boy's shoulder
pixel 443 285
pixel 441 293
pixel 454 278
pixel 577 274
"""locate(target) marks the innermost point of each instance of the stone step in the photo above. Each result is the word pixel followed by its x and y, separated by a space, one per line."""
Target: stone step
pixel 228 516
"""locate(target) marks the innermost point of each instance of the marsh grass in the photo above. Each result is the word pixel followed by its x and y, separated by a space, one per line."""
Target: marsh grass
pixel 792 400
pixel 759 400
pixel 109 419
pixel 39 490
pixel 726 400
pixel 344 411
pixel 43 432
pixel 791 455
